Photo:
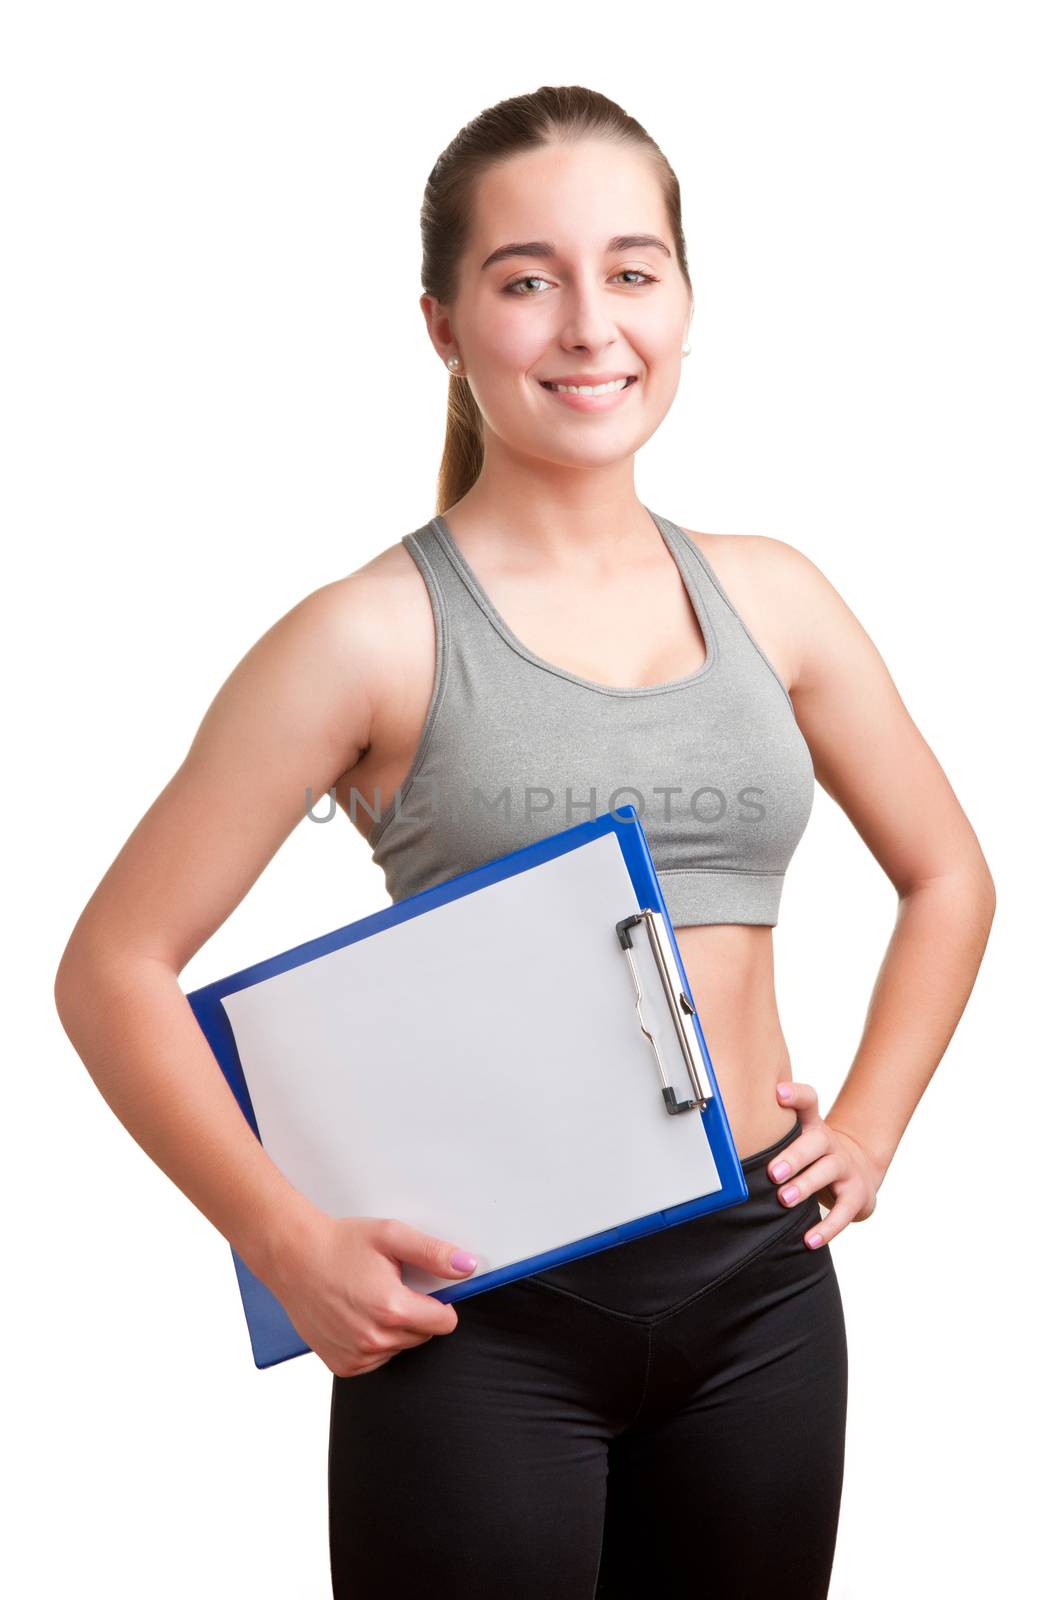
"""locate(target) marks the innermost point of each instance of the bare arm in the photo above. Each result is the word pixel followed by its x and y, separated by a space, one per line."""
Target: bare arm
pixel 295 713
pixel 871 758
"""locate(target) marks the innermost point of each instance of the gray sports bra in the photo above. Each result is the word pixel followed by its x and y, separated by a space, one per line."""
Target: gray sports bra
pixel 514 749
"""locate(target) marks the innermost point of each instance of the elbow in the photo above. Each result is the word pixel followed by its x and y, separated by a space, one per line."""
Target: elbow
pixel 983 909
pixel 68 984
pixel 969 890
pixel 96 974
pixel 74 979
pixel 990 895
pixel 983 891
pixel 989 903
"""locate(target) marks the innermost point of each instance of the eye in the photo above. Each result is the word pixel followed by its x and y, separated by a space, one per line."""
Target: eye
pixel 628 272
pixel 511 288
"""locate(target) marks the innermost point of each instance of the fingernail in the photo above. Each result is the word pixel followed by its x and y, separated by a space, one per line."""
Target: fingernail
pixel 791 1193
pixel 785 1091
pixel 781 1170
pixel 462 1261
pixel 817 1238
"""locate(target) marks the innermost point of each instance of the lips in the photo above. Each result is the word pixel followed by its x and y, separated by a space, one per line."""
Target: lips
pixel 595 404
pixel 589 383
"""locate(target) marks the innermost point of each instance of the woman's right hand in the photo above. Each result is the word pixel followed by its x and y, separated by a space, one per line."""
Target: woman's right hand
pixel 343 1291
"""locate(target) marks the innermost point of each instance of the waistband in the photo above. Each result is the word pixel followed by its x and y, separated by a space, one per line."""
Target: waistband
pixel 760 1158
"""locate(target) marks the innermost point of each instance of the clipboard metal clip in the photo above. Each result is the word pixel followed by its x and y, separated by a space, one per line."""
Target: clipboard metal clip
pixel 680 1008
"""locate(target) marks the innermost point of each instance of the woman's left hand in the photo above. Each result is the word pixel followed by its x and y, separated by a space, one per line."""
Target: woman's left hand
pixel 825 1162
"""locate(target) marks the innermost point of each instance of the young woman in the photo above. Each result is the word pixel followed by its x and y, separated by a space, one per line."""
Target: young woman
pixel 666 1417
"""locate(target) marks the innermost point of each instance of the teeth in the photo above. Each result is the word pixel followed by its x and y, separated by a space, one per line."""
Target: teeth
pixel 585 388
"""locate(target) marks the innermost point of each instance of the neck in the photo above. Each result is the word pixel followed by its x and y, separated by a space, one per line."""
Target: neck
pixel 554 522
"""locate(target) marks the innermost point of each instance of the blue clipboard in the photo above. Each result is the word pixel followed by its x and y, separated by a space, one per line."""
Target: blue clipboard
pixel 273 1338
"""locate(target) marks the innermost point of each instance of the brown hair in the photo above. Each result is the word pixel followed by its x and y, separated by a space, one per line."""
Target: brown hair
pixel 525 122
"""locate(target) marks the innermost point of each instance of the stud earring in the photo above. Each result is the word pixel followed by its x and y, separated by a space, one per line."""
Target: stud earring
pixel 686 349
pixel 453 362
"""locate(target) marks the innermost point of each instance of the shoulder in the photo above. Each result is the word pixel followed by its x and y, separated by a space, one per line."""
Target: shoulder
pixel 382 613
pixel 778 593
pixel 340 644
pixel 754 561
pixel 362 609
pixel 344 620
pixel 387 595
pixel 385 584
pixel 824 638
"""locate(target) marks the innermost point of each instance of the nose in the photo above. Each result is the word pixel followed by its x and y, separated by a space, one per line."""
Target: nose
pixel 586 321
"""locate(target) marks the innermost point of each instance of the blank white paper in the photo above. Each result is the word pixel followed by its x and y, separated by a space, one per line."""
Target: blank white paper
pixel 479 1071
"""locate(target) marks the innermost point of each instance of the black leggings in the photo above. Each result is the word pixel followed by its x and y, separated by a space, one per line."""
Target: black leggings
pixel 663 1419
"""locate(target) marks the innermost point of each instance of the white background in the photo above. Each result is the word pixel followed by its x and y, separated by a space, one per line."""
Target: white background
pixel 218 394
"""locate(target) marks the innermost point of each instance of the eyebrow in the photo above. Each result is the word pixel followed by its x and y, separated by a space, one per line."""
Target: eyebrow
pixel 537 247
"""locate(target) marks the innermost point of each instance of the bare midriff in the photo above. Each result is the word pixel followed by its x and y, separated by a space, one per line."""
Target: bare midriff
pixel 731 972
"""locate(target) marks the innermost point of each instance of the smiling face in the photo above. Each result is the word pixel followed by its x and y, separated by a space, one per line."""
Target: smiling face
pixel 570 274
